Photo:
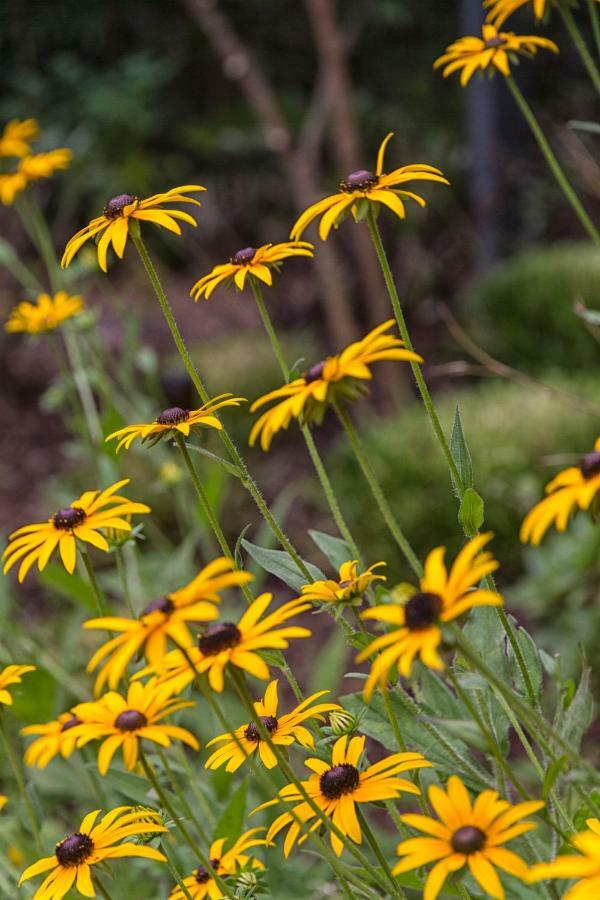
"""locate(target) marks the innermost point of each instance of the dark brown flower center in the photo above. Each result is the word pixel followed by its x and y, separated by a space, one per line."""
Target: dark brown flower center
pixel 314 373
pixel 243 257
pixel 339 780
pixel 493 43
pixel 116 205
pixel 68 518
pixel 590 464
pixel 218 637
pixel 468 839
pixel 130 720
pixel 422 610
pixel 202 876
pixel 163 605
pixel 75 849
pixel 172 416
pixel 70 723
pixel 253 734
pixel 363 180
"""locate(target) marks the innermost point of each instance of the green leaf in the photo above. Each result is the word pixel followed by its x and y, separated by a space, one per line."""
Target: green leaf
pixel 460 452
pixel 73 587
pixel 225 464
pixel 335 549
pixel 130 786
pixel 484 630
pixel 232 820
pixel 470 514
pixel 281 564
pixel 533 663
pixel 574 721
pixel 552 774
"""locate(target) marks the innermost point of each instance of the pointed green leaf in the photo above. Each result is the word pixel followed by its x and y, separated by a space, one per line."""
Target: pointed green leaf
pixel 335 549
pixel 470 514
pixel 460 451
pixel 232 820
pixel 281 564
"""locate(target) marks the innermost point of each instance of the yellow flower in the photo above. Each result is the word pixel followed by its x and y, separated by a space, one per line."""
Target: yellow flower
pixel 16 137
pixel 163 618
pixel 45 314
pixel 337 786
pixel 351 585
pixel 441 597
pixel 3 801
pixel 226 643
pixel 72 861
pixel 200 883
pixel 494 50
pixel 82 520
pixel 572 489
pixel 362 188
pixel 11 675
pixel 127 721
pixel 500 10
pixel 584 866
pixel 175 419
pixel 306 398
pixel 32 168
pixel 55 737
pixel 118 212
pixel 466 834
pixel 283 730
pixel 253 262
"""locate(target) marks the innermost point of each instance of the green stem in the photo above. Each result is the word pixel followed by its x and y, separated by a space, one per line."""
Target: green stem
pixel 266 320
pixel 401 743
pixel 122 570
pixel 174 871
pixel 595 20
pixel 101 888
pixel 18 775
pixel 201 800
pixel 577 38
pixel 401 321
pixel 180 795
pixel 552 161
pixel 165 802
pixel 376 490
pixel 98 595
pixel 82 384
pixel 365 827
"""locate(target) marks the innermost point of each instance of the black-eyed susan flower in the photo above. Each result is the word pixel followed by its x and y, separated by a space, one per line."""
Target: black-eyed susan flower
pixel 3 801
pixel 349 588
pixel 201 882
pixel 342 376
pixel 30 169
pixel 572 489
pixel 466 834
pixel 283 730
pixel 71 863
pixel 251 262
pixel 498 11
pixel 44 314
pixel 17 136
pixel 166 618
pixel 442 596
pixel 225 644
pixel 494 50
pixel 362 188
pixel 9 676
pixel 113 224
pixel 83 521
pixel 54 737
pixel 175 419
pixel 127 721
pixel 583 865
pixel 337 786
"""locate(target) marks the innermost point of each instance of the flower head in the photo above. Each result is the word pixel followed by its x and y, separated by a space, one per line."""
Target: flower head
pixel 251 262
pixel 337 786
pixel 351 585
pixel 54 737
pixel 82 521
pixel 16 138
pixel 175 420
pixel 10 675
pixel 362 188
pixel 583 865
pixel 165 618
pixel 45 314
pixel 72 861
pixel 466 834
pixel 494 50
pixel 283 730
pixel 306 398
pixel 500 10
pixel 200 882
pixel 127 721
pixel 572 489
pixel 30 169
pixel 225 643
pixel 442 597
pixel 113 225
